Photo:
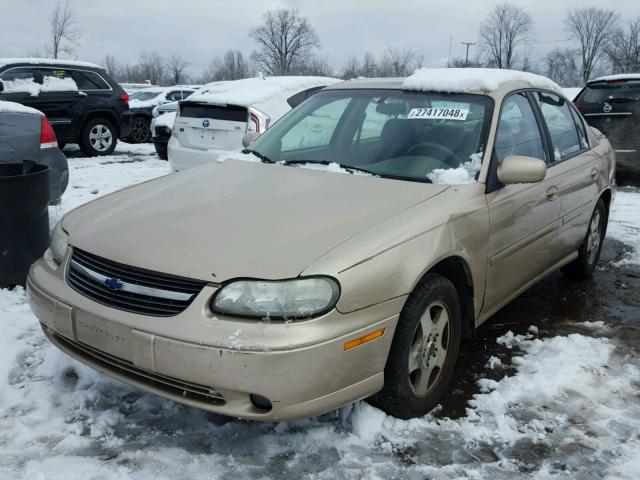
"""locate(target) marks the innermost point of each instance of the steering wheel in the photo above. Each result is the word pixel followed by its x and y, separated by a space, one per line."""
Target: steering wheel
pixel 447 151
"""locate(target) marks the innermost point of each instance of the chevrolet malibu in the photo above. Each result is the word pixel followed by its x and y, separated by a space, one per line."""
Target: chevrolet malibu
pixel 344 255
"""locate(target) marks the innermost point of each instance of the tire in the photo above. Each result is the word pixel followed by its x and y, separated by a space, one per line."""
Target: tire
pixel 99 137
pixel 413 387
pixel 589 253
pixel 140 130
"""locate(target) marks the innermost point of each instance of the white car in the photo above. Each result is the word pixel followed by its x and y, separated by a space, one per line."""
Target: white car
pixel 215 119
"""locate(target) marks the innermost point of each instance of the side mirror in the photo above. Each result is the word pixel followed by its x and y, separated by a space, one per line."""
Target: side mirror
pixel 520 169
pixel 248 138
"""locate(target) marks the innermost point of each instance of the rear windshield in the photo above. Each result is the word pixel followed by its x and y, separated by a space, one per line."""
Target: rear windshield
pixel 611 92
pixel 232 113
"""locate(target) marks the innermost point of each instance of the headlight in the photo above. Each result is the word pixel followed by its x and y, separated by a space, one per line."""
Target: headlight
pixel 279 300
pixel 59 242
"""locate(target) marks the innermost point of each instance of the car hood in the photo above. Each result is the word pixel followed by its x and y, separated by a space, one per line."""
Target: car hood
pixel 238 219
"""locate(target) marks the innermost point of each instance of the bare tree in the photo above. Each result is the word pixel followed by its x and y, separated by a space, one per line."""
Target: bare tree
pixel 176 66
pixel 562 67
pixel 592 27
pixel 284 41
pixel 111 66
pixel 231 66
pixel 151 66
pixel 315 65
pixel 399 62
pixel 464 63
pixel 62 30
pixel 623 50
pixel 506 28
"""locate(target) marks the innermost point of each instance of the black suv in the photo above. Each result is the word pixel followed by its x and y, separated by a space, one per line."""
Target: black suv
pixel 612 105
pixel 82 102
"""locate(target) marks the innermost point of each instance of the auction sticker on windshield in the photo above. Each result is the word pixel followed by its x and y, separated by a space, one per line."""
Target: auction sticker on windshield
pixel 443 113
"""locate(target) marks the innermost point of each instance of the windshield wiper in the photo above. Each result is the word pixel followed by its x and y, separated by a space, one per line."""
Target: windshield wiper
pixel 349 168
pixel 261 156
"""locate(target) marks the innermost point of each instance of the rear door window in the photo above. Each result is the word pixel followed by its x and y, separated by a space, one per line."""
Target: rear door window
pixel 89 81
pixel 561 125
pixel 17 73
pixel 518 132
pixel 174 96
pixel 582 132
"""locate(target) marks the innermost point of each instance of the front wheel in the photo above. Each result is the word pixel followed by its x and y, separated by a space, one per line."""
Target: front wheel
pixel 589 252
pixel 140 130
pixel 99 137
pixel 424 350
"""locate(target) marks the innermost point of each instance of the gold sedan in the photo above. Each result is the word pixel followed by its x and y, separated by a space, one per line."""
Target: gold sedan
pixel 343 255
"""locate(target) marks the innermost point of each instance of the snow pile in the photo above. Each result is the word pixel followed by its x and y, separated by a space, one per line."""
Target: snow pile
pixel 624 224
pixel 12 107
pixel 465 173
pixel 463 80
pixel 257 91
pixel 49 84
pixel 332 167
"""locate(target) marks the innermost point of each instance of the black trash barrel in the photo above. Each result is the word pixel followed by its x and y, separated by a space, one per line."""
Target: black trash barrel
pixel 24 219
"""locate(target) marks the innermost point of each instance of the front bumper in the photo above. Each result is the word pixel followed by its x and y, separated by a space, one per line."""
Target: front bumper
pixel 216 364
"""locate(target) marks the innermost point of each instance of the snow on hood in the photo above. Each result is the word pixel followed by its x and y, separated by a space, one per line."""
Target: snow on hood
pixel 164 120
pixel 49 84
pixel 12 107
pixel 46 61
pixel 463 80
pixel 619 76
pixel 254 91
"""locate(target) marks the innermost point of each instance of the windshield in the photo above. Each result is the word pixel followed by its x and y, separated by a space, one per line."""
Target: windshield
pixel 391 133
pixel 144 95
pixel 611 92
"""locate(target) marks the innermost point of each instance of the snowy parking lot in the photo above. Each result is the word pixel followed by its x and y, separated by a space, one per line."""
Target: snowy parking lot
pixel 551 389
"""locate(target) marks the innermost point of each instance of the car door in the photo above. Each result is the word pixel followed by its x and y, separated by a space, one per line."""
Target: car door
pixel 524 218
pixel 576 166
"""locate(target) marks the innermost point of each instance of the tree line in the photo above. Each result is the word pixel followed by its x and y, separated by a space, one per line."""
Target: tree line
pixel 287 44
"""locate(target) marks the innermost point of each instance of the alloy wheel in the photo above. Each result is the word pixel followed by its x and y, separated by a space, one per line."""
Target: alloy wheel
pixel 429 348
pixel 100 137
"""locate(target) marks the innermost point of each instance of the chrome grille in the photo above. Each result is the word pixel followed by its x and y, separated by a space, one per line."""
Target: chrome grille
pixel 170 385
pixel 129 288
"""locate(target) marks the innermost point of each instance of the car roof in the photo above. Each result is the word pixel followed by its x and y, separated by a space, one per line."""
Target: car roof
pixel 487 81
pixel 46 61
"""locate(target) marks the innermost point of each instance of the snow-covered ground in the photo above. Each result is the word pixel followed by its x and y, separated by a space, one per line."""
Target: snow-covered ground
pixel 568 406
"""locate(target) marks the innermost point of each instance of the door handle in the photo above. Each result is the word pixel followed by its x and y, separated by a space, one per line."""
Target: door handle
pixel 594 173
pixel 552 193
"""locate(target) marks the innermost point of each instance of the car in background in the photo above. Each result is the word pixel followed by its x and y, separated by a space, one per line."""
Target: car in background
pixel 311 271
pixel 26 135
pixel 81 100
pixel 143 102
pixel 612 105
pixel 161 126
pixel 132 88
pixel 215 119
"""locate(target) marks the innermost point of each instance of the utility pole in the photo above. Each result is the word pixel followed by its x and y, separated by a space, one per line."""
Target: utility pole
pixel 466 60
pixel 450 43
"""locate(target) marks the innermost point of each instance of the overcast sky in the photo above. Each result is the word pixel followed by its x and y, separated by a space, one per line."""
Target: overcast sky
pixel 201 29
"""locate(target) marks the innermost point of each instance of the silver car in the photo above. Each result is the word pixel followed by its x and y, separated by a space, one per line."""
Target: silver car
pixel 26 134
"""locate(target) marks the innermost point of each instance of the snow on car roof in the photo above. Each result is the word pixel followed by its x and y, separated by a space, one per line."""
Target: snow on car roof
pixel 254 91
pixel 619 76
pixel 46 61
pixel 12 107
pixel 463 80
